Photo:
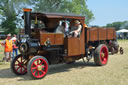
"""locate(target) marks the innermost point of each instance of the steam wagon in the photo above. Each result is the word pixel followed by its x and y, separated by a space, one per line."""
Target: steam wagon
pixel 40 46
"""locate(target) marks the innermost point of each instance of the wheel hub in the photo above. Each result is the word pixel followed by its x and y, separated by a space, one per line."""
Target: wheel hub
pixel 102 54
pixel 39 68
pixel 21 64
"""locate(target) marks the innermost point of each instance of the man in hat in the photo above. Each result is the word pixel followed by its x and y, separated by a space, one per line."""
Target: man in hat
pixel 76 29
pixel 7 43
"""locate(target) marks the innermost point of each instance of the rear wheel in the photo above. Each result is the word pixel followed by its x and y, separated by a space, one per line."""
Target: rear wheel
pixel 112 50
pixel 37 67
pixel 101 55
pixel 116 46
pixel 121 50
pixel 19 65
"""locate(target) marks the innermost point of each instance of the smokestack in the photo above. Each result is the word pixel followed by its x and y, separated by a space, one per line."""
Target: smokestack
pixel 27 20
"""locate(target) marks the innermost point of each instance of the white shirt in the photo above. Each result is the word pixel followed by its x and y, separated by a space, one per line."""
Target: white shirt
pixel 13 38
pixel 60 29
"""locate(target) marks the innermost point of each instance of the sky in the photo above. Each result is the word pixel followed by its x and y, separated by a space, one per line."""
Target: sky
pixel 108 11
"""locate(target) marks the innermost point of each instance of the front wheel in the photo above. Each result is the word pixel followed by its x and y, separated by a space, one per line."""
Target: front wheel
pixel 19 65
pixel 37 67
pixel 101 55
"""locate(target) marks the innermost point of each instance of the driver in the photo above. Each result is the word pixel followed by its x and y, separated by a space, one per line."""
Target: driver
pixel 76 29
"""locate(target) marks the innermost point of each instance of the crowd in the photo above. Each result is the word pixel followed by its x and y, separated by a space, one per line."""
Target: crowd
pixel 10 48
pixel 122 36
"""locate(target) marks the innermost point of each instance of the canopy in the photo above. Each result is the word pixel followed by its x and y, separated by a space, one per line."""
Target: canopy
pixel 122 30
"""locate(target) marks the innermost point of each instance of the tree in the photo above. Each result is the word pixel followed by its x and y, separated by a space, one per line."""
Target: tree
pixel 64 6
pixel 118 25
pixel 9 11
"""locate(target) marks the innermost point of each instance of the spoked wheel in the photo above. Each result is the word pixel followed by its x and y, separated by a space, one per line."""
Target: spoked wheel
pixel 101 55
pixel 37 67
pixel 112 50
pixel 19 65
pixel 121 50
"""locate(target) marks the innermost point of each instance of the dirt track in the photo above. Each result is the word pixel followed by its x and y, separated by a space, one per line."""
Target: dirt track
pixel 114 73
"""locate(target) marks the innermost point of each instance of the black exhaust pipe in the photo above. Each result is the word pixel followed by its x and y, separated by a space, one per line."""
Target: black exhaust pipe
pixel 27 20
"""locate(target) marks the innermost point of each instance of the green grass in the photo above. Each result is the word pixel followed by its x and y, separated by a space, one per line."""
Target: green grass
pixel 114 73
pixel 122 40
pixel 1 52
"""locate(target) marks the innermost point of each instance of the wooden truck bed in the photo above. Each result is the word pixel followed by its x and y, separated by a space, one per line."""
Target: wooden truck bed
pixel 96 34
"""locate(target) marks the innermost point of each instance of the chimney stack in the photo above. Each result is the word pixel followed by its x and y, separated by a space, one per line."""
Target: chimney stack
pixel 27 20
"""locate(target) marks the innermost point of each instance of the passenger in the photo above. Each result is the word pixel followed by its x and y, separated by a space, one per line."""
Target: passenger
pixel 76 29
pixel 41 24
pixel 61 28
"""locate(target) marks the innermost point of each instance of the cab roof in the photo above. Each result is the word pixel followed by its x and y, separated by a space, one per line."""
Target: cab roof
pixel 56 16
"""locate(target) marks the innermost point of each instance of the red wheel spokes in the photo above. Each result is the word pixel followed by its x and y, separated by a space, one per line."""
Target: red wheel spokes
pixel 43 72
pixel 21 59
pixel 34 68
pixel 20 69
pixel 38 62
pixel 20 65
pixel 18 61
pixel 41 62
pixel 104 55
pixel 38 73
pixel 39 68
pixel 17 68
pixel 34 72
pixel 35 64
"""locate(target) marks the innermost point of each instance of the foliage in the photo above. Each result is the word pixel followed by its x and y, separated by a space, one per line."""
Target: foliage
pixel 64 6
pixel 118 25
pixel 9 11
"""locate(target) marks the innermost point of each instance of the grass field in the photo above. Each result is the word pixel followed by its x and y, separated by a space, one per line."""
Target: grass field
pixel 79 73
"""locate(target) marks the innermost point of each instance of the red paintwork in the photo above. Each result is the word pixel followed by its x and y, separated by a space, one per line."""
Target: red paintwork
pixel 20 67
pixel 104 59
pixel 39 62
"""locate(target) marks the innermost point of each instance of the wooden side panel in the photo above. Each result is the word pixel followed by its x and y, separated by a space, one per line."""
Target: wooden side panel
pixel 114 34
pixel 45 36
pixel 93 34
pixel 102 33
pixel 87 35
pixel 110 33
pixel 59 39
pixel 55 39
pixel 73 46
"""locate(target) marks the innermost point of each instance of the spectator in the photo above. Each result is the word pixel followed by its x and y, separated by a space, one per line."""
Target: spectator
pixel 127 36
pixel 15 48
pixel 7 43
pixel 121 36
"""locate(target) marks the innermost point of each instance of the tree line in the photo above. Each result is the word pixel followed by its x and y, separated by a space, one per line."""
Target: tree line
pixel 118 25
pixel 11 10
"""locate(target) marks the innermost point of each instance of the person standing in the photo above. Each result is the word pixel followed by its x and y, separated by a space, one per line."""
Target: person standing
pixel 15 48
pixel 7 43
